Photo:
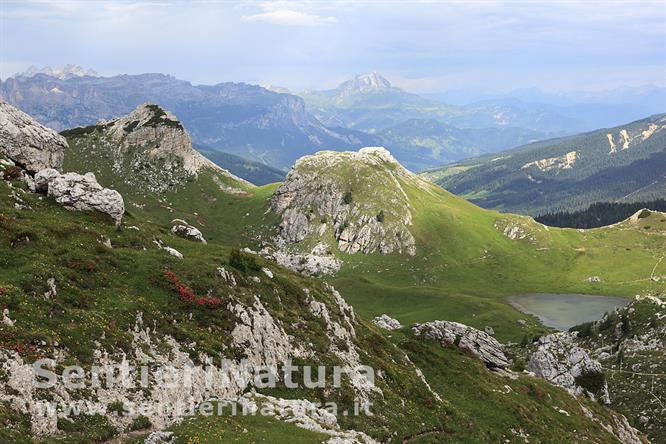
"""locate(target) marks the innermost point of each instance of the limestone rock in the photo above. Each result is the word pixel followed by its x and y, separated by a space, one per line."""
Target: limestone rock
pixel 479 343
pixel 27 142
pixel 387 322
pixel 306 415
pixel 318 262
pixel 81 193
pixel 227 276
pixel 187 231
pixel 6 320
pixel 318 197
pixel 559 360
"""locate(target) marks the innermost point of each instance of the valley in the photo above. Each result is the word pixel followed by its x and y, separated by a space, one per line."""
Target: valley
pixel 405 247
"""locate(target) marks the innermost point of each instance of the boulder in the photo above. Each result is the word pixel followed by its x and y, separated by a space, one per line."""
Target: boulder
pixel 81 193
pixel 559 360
pixel 187 231
pixel 27 142
pixel 387 322
pixel 477 342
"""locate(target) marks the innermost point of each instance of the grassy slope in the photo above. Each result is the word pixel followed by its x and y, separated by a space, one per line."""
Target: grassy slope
pixel 465 267
pixel 101 290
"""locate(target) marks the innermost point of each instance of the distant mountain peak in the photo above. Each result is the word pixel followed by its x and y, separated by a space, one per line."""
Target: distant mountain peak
pixel 66 72
pixel 371 82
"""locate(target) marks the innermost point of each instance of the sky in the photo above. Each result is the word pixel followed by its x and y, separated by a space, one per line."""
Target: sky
pixel 422 46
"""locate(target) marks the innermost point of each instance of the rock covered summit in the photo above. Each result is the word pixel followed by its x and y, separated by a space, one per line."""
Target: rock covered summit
pixel 149 148
pixel 358 197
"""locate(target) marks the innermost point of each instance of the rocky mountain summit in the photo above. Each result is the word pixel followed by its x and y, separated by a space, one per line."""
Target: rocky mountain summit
pixel 75 289
pixel 149 148
pixel 358 198
pixel 27 142
pixel 63 73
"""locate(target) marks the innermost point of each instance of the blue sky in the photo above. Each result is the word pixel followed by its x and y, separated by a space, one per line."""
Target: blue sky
pixel 424 46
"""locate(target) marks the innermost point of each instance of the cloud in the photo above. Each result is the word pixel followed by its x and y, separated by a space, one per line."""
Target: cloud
pixel 288 16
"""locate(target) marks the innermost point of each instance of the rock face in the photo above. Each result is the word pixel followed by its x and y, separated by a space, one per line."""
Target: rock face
pixel 359 197
pixel 387 322
pixel 559 360
pixel 27 142
pixel 478 343
pixel 81 193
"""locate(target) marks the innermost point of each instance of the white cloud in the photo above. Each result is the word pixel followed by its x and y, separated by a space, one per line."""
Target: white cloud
pixel 289 17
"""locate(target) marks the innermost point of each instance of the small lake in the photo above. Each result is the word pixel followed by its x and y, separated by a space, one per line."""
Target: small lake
pixel 563 311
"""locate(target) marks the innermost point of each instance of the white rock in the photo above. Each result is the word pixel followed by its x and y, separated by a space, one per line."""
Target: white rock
pixel 187 231
pixel 559 360
pixel 27 142
pixel 477 342
pixel 6 320
pixel 81 193
pixel 387 322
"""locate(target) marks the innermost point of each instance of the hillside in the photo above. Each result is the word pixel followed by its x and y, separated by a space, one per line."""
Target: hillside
pixel 599 214
pixel 621 164
pixel 79 290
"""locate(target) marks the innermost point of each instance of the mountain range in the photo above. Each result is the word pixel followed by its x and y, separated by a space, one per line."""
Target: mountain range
pixel 245 120
pixel 274 127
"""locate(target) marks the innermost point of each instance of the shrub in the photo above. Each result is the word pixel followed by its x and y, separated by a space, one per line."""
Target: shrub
pixel 187 295
pixel 348 198
pixel 592 381
pixel 116 407
pixel 140 423
pixel 243 261
pixel 380 216
pixel 12 172
pixel 584 330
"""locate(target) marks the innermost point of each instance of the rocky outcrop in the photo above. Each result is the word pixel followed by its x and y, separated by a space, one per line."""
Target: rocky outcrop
pixel 356 196
pixel 150 149
pixel 387 322
pixel 304 414
pixel 81 193
pixel 476 342
pixel 316 263
pixel 27 142
pixel 183 229
pixel 565 162
pixel 559 360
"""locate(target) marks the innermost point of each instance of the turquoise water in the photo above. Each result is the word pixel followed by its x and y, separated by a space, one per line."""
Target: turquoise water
pixel 563 311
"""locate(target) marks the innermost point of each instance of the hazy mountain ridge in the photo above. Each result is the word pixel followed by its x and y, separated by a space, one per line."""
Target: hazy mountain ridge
pixel 243 119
